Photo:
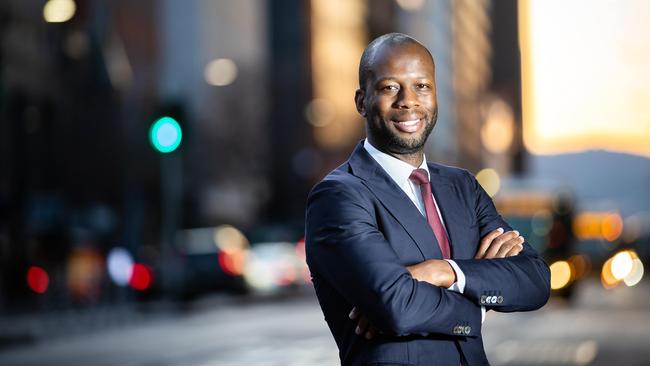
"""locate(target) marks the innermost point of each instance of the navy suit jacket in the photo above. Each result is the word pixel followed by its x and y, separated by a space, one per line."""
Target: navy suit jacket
pixel 362 231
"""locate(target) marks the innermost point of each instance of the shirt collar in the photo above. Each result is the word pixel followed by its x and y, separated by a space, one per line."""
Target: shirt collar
pixel 398 170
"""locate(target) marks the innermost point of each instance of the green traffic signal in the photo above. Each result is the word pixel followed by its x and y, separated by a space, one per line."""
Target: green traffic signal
pixel 165 134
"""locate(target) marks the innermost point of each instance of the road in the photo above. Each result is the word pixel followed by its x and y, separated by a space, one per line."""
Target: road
pixel 603 327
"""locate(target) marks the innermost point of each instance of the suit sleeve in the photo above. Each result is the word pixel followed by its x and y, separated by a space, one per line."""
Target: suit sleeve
pixel 346 249
pixel 518 283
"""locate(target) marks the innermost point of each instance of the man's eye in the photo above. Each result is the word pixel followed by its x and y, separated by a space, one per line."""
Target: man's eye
pixel 423 86
pixel 390 88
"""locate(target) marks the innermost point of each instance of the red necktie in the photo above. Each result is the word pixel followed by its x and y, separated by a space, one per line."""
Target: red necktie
pixel 421 178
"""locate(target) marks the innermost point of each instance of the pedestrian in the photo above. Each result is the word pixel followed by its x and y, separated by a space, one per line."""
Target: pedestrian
pixel 407 255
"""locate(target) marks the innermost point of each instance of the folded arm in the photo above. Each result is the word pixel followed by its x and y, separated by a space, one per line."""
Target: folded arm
pixel 514 283
pixel 345 248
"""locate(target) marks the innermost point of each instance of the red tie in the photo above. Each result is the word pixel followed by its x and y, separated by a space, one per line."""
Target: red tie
pixel 421 178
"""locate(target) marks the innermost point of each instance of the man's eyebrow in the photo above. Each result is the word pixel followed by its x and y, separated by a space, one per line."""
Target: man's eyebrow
pixel 391 78
pixel 388 78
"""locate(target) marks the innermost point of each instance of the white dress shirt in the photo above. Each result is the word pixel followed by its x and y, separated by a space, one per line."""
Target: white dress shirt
pixel 400 172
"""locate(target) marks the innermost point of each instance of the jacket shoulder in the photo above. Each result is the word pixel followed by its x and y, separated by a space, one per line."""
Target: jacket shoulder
pixel 453 173
pixel 340 179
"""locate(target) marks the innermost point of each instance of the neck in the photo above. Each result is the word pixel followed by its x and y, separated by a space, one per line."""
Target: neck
pixel 415 159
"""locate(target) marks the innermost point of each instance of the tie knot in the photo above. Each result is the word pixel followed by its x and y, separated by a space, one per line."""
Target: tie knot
pixel 420 176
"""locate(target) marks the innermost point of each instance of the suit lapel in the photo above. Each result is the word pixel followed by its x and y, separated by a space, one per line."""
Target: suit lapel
pixel 395 201
pixel 448 200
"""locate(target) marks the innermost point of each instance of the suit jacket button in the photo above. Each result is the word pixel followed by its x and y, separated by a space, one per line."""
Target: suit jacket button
pixel 499 299
pixel 493 300
pixel 468 330
pixel 456 330
pixel 483 299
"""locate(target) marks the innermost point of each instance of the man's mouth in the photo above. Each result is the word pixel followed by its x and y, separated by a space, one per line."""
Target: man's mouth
pixel 408 126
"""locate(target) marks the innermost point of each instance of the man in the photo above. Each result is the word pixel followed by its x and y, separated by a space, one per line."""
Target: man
pixel 398 264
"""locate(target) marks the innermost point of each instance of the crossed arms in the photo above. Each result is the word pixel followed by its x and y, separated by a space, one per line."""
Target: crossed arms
pixel 346 248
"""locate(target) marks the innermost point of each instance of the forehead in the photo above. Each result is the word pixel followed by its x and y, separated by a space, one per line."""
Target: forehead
pixel 401 61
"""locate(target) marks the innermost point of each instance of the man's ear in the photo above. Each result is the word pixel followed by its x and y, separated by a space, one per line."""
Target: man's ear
pixel 359 98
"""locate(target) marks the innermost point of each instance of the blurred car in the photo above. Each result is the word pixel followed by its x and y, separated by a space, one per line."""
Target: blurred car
pixel 207 260
pixel 276 267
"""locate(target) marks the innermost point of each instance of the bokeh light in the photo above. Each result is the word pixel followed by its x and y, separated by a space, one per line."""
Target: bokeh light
pixel 228 238
pixel 259 273
pixel 220 72
pixel 621 265
pixel 489 180
pixel 625 266
pixel 636 274
pixel 120 266
pixel 320 112
pixel 541 222
pixel 37 279
pixel 586 352
pixel 232 262
pixel 598 225
pixel 141 277
pixel 561 274
pixel 59 11
pixel 612 226
pixel 85 271
pixel 410 5
pixel 607 279
pixel 272 266
pixel 498 132
pixel 165 134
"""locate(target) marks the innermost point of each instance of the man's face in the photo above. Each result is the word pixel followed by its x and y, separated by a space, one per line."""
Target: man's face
pixel 399 99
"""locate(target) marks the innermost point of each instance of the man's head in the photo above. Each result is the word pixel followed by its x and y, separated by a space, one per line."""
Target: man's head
pixel 397 93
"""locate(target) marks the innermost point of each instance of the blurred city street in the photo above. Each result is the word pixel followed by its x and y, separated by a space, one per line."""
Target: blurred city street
pixel 598 329
pixel 157 159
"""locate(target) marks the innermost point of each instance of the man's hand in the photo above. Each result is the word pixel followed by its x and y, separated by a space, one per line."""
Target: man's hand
pixel 498 244
pixel 363 325
pixel 437 272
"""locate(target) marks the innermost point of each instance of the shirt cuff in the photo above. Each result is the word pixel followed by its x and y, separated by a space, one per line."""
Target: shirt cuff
pixel 459 285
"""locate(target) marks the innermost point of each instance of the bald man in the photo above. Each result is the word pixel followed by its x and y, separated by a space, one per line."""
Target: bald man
pixel 407 255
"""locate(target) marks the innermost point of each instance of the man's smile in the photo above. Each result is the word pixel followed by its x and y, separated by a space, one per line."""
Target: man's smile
pixel 408 126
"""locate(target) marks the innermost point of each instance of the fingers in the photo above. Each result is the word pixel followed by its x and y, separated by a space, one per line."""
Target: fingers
pixel 486 241
pixel 499 242
pixel 516 249
pixel 371 332
pixel 354 313
pixel 509 246
pixel 362 326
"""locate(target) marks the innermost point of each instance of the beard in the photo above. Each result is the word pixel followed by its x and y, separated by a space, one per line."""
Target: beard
pixel 391 141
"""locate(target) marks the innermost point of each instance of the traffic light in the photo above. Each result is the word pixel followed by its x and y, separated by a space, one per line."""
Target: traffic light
pixel 165 134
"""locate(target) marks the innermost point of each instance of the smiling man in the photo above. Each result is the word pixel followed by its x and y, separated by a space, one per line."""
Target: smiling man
pixel 406 255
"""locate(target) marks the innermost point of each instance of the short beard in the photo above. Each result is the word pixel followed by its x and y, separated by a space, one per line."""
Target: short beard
pixel 394 144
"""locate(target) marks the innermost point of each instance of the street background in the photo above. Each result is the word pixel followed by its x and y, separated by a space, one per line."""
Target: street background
pixel 156 155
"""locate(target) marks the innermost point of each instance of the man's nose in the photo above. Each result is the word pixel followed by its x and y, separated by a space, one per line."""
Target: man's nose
pixel 406 98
